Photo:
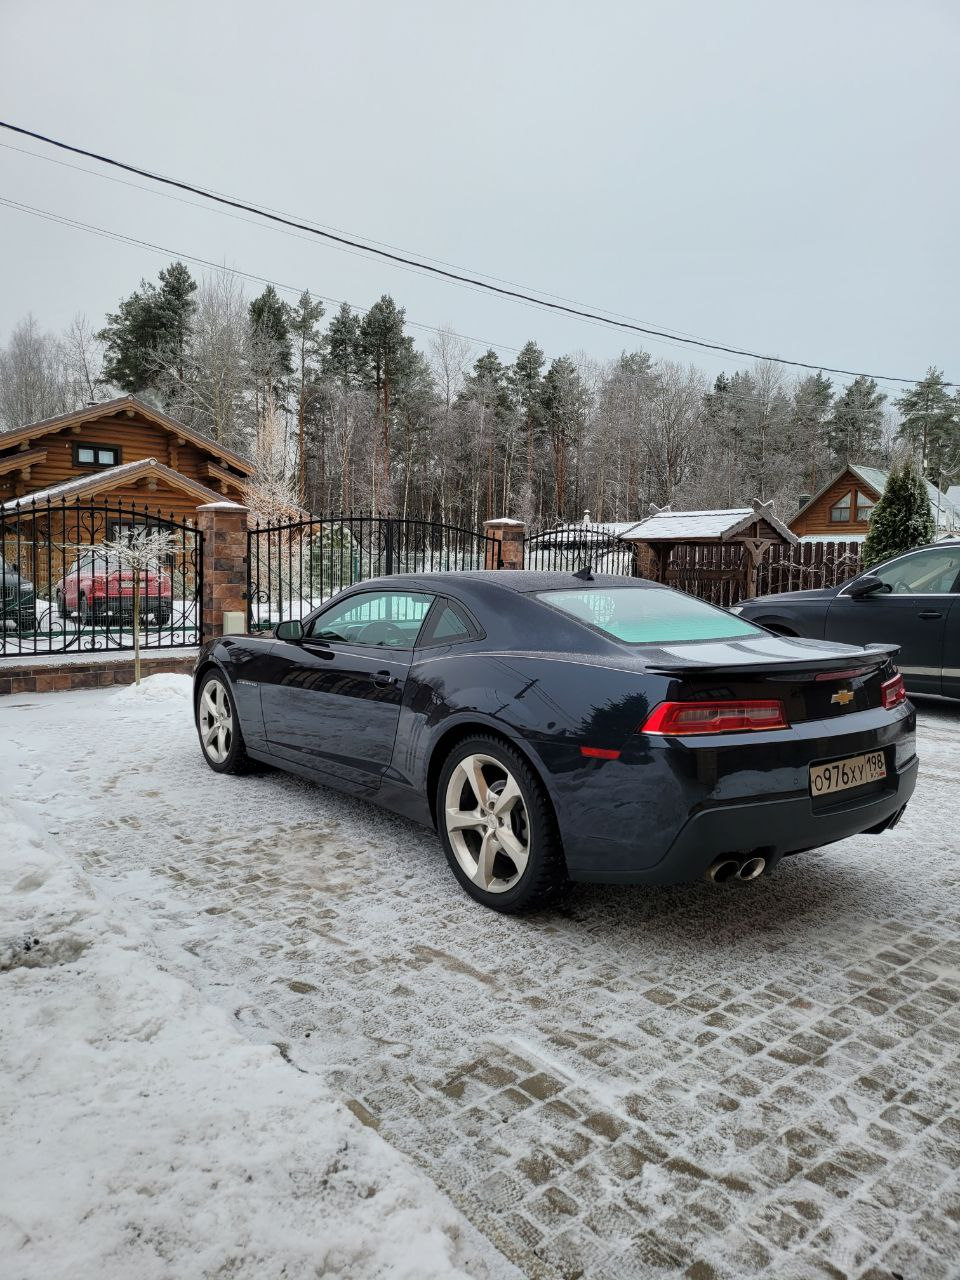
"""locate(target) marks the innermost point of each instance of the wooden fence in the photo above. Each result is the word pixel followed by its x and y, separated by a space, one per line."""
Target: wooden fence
pixel 714 571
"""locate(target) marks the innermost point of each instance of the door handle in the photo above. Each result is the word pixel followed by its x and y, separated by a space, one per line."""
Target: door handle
pixel 929 614
pixel 383 679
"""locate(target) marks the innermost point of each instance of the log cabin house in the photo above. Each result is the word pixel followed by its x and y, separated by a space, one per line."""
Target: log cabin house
pixel 841 510
pixel 119 450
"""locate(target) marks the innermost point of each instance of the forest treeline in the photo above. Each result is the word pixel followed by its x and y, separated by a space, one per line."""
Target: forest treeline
pixel 345 411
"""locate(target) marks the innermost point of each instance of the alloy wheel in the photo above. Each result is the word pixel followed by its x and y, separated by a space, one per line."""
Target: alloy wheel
pixel 487 823
pixel 216 721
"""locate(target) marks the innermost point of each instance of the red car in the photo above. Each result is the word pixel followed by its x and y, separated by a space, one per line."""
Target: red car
pixel 98 589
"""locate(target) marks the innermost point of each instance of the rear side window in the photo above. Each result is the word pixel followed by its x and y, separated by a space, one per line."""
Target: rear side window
pixel 648 615
pixel 448 625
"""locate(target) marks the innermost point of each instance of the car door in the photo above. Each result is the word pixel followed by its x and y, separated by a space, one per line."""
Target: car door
pixel 910 611
pixel 331 701
pixel 951 648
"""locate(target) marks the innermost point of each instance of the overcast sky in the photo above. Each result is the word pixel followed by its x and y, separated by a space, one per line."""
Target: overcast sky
pixel 777 176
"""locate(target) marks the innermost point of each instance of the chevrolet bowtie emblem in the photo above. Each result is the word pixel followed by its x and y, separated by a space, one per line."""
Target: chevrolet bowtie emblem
pixel 843 696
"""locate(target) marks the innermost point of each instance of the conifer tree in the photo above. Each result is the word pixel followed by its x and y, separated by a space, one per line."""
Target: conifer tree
pixel 902 518
pixel 272 357
pixel 388 363
pixel 307 343
pixel 931 425
pixel 526 377
pixel 854 428
pixel 147 339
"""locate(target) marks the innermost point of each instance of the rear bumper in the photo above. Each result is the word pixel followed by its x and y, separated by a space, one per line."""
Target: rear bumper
pixel 770 828
pixel 667 809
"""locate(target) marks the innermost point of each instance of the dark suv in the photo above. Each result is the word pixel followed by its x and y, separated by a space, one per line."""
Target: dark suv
pixel 18 599
pixel 912 600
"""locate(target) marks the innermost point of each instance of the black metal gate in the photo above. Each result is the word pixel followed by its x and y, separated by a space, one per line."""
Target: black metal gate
pixel 294 565
pixel 570 547
pixel 67 584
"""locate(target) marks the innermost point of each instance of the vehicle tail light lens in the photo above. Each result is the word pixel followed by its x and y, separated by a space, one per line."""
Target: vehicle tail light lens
pixel 893 692
pixel 679 719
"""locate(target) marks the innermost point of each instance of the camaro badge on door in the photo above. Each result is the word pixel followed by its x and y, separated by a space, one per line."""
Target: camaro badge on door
pixel 843 696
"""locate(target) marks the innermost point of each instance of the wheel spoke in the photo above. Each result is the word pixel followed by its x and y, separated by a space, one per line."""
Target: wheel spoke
pixel 514 848
pixel 488 851
pixel 208 702
pixel 222 737
pixel 209 733
pixel 473 770
pixel 464 820
pixel 507 798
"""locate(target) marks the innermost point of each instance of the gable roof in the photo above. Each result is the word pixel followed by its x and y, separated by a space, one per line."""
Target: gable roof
pixel 943 506
pixel 109 478
pixel 113 408
pixel 695 526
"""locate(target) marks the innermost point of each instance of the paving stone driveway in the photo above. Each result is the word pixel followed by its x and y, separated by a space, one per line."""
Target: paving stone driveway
pixel 747 1080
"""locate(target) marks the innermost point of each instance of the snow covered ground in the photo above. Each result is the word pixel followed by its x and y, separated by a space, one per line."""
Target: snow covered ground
pixel 142 1134
pixel 243 986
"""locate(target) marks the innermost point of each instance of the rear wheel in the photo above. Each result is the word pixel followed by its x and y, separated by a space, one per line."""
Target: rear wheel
pixel 219 727
pixel 497 827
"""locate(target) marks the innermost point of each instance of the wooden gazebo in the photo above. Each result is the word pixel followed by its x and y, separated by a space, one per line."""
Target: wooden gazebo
pixel 713 554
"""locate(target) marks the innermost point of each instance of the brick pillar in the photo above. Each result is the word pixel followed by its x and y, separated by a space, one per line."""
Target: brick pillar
pixel 509 536
pixel 646 561
pixel 224 529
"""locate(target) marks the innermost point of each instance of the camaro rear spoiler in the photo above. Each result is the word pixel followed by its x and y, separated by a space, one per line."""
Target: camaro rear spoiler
pixel 871 657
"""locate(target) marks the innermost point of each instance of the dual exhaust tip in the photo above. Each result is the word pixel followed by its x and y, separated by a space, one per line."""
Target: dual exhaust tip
pixel 725 869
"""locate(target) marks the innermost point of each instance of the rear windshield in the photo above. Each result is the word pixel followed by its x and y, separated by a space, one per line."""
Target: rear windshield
pixel 648 615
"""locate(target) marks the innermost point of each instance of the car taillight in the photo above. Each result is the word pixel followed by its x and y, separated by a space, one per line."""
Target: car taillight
pixel 893 692
pixel 683 718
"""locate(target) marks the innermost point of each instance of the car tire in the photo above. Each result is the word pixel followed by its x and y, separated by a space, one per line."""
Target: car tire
pixel 497 827
pixel 218 726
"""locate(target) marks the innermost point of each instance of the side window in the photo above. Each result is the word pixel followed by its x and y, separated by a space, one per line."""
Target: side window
pixel 840 511
pixel 383 619
pixel 865 507
pixel 448 625
pixel 928 572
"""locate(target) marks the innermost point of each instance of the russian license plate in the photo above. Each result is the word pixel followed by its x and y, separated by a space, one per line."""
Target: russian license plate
pixel 855 771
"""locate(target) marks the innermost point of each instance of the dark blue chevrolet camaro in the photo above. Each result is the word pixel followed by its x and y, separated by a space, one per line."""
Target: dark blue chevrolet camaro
pixel 561 726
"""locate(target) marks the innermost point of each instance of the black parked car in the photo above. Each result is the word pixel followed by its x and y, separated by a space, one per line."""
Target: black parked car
pixel 18 600
pixel 912 601
pixel 553 725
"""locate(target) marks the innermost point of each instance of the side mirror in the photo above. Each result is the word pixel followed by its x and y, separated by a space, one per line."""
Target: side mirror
pixel 291 630
pixel 868 585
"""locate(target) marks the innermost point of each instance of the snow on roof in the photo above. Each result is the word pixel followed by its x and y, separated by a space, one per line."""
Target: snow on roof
pixel 680 526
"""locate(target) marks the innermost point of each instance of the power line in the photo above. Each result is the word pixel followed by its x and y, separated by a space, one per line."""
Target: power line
pixel 193 204
pixel 104 232
pixel 444 272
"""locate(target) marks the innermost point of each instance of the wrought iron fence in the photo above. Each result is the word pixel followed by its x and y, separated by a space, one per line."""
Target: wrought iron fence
pixel 573 547
pixel 65 587
pixel 294 565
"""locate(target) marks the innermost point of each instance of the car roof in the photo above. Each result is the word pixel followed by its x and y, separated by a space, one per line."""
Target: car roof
pixel 521 581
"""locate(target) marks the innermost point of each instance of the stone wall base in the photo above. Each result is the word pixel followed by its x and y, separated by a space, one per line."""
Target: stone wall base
pixel 55 676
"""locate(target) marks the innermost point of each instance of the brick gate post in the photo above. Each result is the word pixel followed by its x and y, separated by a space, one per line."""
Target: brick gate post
pixel 224 529
pixel 508 535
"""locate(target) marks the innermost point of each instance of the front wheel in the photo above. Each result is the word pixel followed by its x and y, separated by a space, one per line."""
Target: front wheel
pixel 497 827
pixel 219 727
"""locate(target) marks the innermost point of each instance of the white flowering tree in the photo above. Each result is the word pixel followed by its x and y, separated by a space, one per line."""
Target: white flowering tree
pixel 139 552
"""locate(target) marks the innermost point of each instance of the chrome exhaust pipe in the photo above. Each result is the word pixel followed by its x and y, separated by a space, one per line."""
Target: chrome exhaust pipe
pixel 722 870
pixel 752 868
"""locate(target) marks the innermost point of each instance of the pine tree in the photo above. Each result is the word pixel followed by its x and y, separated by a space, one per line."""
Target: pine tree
pixel 931 425
pixel 307 343
pixel 272 347
pixel 902 518
pixel 526 378
pixel 488 388
pixel 387 355
pixel 810 412
pixel 564 404
pixel 853 430
pixel 147 339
